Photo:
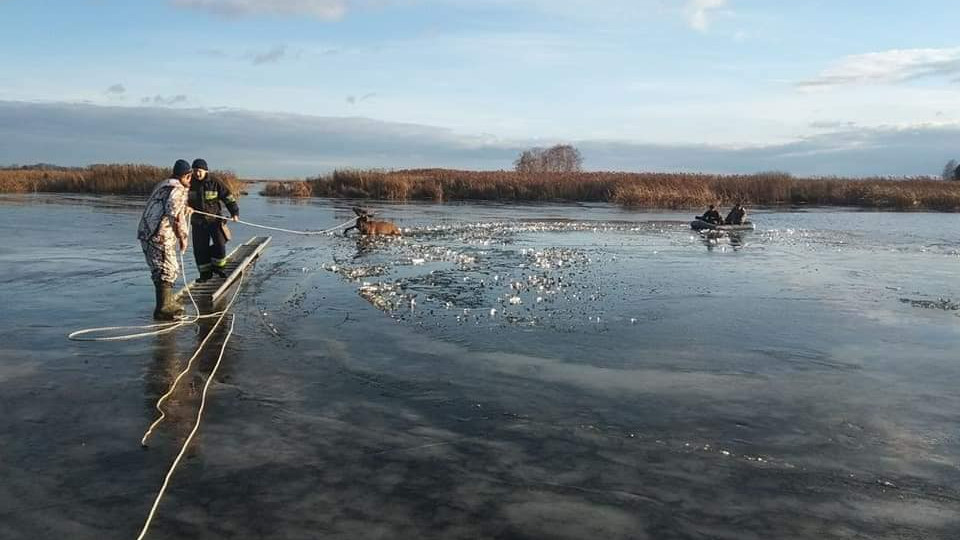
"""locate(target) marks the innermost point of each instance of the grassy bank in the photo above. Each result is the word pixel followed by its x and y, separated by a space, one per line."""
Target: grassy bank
pixel 100 179
pixel 659 190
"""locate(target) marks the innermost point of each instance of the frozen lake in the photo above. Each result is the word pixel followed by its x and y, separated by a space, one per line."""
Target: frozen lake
pixel 503 371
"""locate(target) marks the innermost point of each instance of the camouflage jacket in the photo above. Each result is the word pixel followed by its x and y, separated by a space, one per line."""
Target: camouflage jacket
pixel 166 205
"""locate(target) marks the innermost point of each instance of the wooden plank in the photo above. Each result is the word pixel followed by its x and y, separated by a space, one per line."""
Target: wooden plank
pixel 237 261
pixel 258 244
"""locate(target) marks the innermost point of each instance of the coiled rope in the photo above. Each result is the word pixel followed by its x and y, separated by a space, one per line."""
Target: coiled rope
pixel 147 330
pixel 151 329
pixel 161 328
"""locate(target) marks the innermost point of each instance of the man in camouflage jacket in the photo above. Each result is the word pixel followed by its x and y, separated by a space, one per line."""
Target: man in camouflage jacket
pixel 162 231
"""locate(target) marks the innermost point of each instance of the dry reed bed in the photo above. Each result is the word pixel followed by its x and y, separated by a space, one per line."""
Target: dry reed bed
pixel 99 179
pixel 654 190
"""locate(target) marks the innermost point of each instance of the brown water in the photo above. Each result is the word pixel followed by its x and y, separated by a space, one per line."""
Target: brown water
pixel 552 371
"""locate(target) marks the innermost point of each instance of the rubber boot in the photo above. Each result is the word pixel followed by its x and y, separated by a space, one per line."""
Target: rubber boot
pixel 205 275
pixel 172 306
pixel 219 271
pixel 167 309
pixel 158 294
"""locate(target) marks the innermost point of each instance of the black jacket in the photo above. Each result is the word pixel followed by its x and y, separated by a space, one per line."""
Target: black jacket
pixel 711 216
pixel 207 196
pixel 735 217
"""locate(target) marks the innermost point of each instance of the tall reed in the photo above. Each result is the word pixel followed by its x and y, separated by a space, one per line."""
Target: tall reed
pixel 654 190
pixel 116 179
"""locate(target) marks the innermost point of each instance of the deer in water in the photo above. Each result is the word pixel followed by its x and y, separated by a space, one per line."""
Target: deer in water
pixel 369 227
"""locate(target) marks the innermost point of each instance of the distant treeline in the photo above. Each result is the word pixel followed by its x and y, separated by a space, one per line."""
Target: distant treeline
pixel 112 179
pixel 653 190
pixel 39 167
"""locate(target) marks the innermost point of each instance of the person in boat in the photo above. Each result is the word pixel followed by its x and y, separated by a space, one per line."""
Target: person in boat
pixel 737 215
pixel 210 235
pixel 162 231
pixel 711 216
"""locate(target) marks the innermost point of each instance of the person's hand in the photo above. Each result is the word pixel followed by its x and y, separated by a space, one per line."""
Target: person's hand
pixel 183 244
pixel 189 211
pixel 235 218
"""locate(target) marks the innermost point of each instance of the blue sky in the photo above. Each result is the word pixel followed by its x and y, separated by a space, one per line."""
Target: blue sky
pixel 813 87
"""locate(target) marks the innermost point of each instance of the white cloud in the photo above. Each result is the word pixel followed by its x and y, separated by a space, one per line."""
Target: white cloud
pixel 893 66
pixel 320 9
pixel 698 12
pixel 116 89
pixel 833 124
pixel 164 100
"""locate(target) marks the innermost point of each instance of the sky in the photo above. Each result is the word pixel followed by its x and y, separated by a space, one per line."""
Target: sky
pixel 293 88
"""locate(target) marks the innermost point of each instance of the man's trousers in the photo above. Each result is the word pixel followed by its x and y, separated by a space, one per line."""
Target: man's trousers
pixel 209 244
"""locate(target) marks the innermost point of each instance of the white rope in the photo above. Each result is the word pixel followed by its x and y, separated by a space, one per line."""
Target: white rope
pixel 304 233
pixel 196 426
pixel 164 328
pixel 161 328
pixel 189 365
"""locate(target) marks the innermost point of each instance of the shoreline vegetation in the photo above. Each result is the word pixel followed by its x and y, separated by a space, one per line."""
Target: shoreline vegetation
pixel 650 190
pixel 112 179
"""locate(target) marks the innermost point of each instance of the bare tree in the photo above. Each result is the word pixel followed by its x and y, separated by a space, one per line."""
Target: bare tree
pixel 559 158
pixel 950 170
pixel 529 161
pixel 564 158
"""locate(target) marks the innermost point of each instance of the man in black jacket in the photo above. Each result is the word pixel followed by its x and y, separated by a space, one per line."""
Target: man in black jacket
pixel 711 216
pixel 209 234
pixel 737 215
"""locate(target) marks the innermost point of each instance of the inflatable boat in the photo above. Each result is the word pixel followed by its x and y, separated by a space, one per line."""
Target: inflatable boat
pixel 700 225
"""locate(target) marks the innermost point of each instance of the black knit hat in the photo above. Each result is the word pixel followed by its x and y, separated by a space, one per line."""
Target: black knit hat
pixel 200 164
pixel 180 168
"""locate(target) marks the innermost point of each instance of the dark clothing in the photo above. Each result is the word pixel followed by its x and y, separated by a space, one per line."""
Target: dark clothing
pixel 735 217
pixel 180 168
pixel 209 241
pixel 207 196
pixel 712 216
pixel 207 255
